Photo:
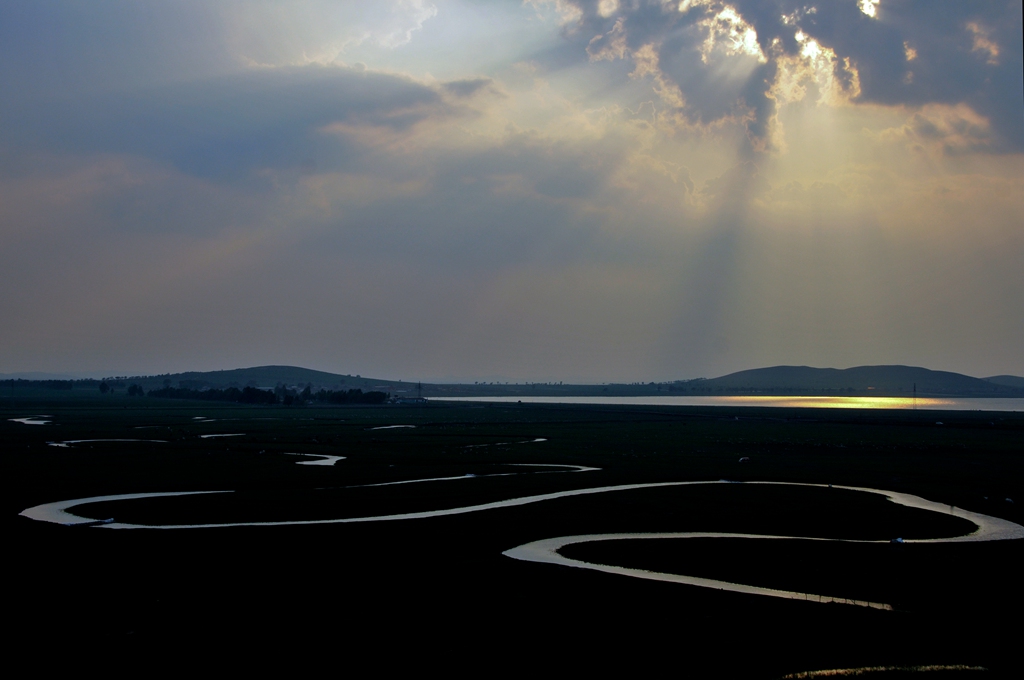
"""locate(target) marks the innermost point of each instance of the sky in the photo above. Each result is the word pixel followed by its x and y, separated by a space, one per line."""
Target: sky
pixel 576 190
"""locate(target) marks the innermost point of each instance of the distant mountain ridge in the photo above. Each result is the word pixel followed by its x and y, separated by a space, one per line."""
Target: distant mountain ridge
pixel 1008 380
pixel 267 377
pixel 892 380
pixel 895 380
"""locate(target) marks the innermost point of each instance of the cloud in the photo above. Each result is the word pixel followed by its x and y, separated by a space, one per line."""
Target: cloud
pixel 51 45
pixel 230 126
pixel 280 33
pixel 467 86
pixel 651 193
pixel 949 66
pixel 957 129
pixel 733 60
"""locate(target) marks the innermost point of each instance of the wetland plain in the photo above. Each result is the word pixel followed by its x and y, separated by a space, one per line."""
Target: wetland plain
pixel 374 550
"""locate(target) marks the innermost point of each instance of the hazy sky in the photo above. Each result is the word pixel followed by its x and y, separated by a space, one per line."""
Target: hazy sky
pixel 542 190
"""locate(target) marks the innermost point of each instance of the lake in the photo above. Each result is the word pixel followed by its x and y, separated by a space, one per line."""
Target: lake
pixel 899 403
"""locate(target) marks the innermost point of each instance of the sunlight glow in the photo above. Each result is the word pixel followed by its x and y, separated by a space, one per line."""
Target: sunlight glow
pixel 817 65
pixel 793 18
pixel 810 50
pixel 606 8
pixel 841 402
pixel 738 36
pixel 869 7
pixel 983 43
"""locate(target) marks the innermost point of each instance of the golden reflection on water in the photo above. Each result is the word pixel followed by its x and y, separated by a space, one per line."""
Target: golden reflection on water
pixel 839 402
pixel 1008 404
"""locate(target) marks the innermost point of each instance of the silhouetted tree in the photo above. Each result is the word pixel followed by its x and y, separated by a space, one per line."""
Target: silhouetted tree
pixel 249 395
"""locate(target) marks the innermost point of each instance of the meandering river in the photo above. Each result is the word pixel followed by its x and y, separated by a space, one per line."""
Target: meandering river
pixel 547 550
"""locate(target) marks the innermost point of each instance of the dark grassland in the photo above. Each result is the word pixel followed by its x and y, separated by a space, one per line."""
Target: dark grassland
pixel 438 592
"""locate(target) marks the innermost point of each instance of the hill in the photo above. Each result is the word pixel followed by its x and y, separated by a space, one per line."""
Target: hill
pixel 803 380
pixel 268 377
pixel 878 380
pixel 775 380
pixel 1008 380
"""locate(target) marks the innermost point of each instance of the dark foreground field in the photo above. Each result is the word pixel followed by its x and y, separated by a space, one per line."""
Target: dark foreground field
pixel 438 593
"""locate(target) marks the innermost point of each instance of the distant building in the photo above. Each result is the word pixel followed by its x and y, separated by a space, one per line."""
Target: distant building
pixel 409 400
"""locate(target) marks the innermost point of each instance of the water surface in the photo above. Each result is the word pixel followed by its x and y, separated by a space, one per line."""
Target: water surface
pixel 898 403
pixel 31 420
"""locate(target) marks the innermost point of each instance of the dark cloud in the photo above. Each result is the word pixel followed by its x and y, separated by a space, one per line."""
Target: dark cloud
pixel 962 52
pixel 523 199
pixel 467 87
pixel 711 93
pixel 950 65
pixel 48 46
pixel 226 126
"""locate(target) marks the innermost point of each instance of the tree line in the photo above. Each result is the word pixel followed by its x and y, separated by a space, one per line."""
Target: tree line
pixel 44 384
pixel 246 395
pixel 308 396
pixel 253 395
